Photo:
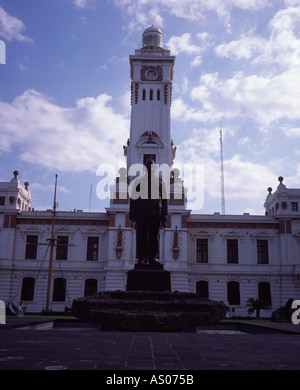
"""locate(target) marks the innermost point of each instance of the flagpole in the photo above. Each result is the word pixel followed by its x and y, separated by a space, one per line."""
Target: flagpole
pixel 52 245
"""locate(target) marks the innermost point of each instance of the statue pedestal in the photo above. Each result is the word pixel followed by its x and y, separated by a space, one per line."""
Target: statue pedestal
pixel 148 311
pixel 148 277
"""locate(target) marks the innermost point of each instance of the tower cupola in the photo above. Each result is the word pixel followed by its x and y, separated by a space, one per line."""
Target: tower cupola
pixel 153 38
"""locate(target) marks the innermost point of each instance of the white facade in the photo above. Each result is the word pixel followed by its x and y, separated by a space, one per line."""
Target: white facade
pixel 227 258
pixel 193 247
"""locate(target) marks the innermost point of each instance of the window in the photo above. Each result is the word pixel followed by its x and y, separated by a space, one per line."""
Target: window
pixel 144 94
pixel 233 293
pixel 264 293
pixel 92 248
pixel 232 251
pixel 2 200
pixel 151 94
pixel 294 206
pixel 202 289
pixel 59 290
pixel 62 248
pixel 158 94
pixel 148 157
pixel 90 287
pixel 27 292
pixel 262 252
pixel 202 250
pixel 31 247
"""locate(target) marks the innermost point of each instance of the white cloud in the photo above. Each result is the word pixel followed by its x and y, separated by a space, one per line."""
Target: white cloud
pixel 182 111
pixel 142 11
pixel 81 3
pixel 183 44
pixel 245 48
pixel 292 3
pixel 244 179
pixel 179 44
pixel 45 188
pixel 291 132
pixel 197 61
pixel 68 139
pixel 281 48
pixel 264 99
pixel 11 27
pixel 244 141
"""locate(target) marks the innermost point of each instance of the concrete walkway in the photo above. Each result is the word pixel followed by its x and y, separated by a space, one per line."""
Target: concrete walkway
pixel 89 349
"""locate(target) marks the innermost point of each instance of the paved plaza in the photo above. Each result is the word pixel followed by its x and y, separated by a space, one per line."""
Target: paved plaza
pixel 92 349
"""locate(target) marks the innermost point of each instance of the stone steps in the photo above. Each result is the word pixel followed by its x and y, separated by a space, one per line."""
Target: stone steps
pixel 148 310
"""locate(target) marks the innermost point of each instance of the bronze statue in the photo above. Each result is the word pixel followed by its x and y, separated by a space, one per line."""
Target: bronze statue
pixel 149 210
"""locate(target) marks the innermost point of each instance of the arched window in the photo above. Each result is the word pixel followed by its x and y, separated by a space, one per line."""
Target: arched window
pixel 264 293
pixel 202 288
pixel 151 94
pixel 90 287
pixel 233 293
pixel 59 290
pixel 27 293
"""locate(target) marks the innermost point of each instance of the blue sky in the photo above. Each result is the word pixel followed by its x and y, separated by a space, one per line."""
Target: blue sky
pixel 65 93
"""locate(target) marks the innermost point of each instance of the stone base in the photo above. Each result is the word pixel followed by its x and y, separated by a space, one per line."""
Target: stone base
pixel 148 311
pixel 148 277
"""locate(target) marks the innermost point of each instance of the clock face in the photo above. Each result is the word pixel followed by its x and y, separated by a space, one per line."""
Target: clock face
pixel 152 74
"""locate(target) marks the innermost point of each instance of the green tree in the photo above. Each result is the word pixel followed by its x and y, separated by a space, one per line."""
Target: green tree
pixel 256 305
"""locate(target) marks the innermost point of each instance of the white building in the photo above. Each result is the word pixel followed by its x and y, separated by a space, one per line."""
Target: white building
pixel 227 258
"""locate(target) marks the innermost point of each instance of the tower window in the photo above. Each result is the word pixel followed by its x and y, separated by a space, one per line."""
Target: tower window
pixel 144 94
pixel 294 206
pixel 151 94
pixel 158 94
pixel 148 157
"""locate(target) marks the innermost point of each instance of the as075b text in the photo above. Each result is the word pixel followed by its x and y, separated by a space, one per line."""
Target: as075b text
pixel 172 379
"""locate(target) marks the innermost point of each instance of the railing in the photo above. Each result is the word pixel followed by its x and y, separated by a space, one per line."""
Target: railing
pixel 153 53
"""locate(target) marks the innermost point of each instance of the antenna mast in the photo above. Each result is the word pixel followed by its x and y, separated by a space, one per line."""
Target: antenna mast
pixel 222 172
pixel 91 198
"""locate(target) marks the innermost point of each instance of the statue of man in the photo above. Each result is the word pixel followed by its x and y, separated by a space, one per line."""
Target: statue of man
pixel 149 209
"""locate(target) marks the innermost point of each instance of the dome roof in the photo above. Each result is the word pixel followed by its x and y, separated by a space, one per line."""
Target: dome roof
pixel 153 37
pixel 154 29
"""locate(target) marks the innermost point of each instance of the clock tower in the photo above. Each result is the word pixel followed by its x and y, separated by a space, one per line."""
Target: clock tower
pixel 151 72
